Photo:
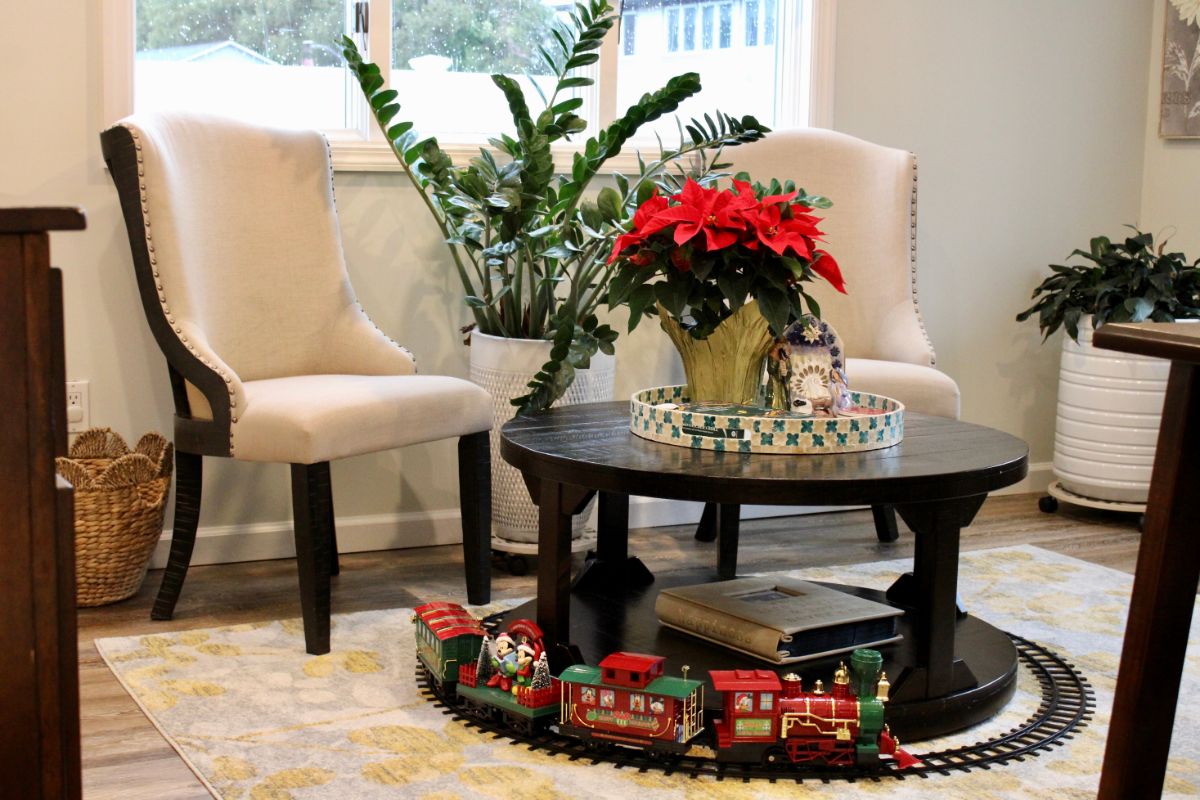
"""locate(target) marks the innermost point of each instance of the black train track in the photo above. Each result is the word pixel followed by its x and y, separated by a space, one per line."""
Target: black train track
pixel 1066 707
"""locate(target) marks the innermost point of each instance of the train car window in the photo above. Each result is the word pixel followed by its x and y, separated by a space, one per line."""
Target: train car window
pixel 657 705
pixel 637 702
pixel 587 695
pixel 743 702
pixel 766 701
pixel 608 698
pixel 610 674
pixel 635 677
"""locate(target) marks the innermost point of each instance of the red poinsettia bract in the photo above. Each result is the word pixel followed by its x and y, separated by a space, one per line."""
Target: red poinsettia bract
pixel 728 219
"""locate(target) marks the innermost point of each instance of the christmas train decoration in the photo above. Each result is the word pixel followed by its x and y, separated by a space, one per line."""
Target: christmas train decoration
pixel 627 701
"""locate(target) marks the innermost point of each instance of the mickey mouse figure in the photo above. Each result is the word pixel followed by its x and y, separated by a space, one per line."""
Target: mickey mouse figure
pixel 505 662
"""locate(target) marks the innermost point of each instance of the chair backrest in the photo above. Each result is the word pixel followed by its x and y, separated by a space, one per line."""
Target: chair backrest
pixel 870 230
pixel 244 239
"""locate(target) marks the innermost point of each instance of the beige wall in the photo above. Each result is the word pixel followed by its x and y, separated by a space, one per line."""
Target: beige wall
pixel 1171 171
pixel 1027 117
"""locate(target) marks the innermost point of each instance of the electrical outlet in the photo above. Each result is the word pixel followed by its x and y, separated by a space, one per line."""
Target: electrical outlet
pixel 77 406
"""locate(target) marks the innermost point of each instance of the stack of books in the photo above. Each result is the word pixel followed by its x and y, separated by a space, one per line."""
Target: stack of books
pixel 779 620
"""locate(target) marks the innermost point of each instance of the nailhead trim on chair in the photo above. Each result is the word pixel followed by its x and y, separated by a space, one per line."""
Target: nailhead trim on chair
pixel 162 297
pixel 333 194
pixel 912 260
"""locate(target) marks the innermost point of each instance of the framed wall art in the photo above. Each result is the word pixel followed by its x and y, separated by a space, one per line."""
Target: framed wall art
pixel 1180 110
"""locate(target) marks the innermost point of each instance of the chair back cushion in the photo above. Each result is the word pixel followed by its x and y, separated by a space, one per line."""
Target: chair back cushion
pixel 246 240
pixel 870 230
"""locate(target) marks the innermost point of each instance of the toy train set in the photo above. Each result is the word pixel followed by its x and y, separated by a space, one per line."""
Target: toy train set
pixel 627 701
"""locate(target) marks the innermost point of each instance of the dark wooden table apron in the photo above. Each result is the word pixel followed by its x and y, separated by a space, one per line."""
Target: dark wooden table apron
pixel 937 478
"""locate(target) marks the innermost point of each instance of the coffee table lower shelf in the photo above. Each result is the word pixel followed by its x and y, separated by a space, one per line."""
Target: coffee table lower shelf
pixel 623 619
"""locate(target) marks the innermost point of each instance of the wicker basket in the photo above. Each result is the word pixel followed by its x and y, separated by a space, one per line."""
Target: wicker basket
pixel 120 496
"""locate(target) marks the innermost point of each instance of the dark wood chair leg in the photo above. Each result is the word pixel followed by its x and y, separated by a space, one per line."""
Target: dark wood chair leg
pixel 475 497
pixel 885 523
pixel 188 479
pixel 706 530
pixel 311 508
pixel 335 565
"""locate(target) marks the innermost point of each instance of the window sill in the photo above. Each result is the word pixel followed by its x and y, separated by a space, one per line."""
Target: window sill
pixel 355 155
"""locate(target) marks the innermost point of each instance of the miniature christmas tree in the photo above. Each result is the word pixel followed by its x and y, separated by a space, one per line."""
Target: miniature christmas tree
pixel 541 674
pixel 483 665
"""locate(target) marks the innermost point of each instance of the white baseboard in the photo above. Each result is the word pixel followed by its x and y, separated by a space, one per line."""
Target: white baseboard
pixel 266 540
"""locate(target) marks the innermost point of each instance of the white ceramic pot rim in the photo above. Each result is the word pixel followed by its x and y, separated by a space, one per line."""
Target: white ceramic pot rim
pixel 521 355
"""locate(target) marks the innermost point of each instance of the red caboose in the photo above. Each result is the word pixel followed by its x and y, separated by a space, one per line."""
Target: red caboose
pixel 627 701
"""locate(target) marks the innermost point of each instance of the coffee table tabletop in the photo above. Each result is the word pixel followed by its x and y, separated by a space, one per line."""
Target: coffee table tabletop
pixel 937 478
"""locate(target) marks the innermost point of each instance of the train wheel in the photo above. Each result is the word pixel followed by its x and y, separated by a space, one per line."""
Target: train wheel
pixel 775 755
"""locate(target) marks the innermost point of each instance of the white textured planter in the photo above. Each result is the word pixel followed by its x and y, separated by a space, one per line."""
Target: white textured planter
pixel 1109 408
pixel 504 367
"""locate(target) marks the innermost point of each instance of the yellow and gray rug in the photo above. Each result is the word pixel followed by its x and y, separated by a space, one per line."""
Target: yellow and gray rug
pixel 256 719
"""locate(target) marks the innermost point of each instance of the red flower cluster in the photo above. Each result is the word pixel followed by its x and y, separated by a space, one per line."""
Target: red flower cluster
pixel 728 218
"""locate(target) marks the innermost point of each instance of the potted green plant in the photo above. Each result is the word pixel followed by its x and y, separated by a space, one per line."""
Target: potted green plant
pixel 531 247
pixel 1109 403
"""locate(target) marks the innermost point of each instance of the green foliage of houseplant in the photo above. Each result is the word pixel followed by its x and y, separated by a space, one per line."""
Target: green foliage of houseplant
pixel 1124 281
pixel 531 248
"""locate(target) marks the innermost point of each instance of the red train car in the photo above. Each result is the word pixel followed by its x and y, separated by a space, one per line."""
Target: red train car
pixel 627 701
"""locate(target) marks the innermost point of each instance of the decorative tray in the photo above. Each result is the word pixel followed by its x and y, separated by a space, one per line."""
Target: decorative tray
pixel 661 414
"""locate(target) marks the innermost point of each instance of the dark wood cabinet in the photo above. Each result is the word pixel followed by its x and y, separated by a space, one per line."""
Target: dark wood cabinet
pixel 39 674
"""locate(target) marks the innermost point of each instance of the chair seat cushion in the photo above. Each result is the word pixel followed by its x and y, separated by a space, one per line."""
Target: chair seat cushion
pixel 307 419
pixel 921 389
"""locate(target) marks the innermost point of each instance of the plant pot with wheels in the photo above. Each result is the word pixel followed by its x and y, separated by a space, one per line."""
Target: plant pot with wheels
pixel 1110 403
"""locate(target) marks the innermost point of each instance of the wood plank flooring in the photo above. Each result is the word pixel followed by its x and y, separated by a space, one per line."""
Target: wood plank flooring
pixel 125 758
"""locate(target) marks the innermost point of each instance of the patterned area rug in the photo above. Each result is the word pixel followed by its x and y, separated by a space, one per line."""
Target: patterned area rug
pixel 255 719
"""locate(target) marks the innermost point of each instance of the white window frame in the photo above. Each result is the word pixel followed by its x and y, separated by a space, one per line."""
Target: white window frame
pixel 807 63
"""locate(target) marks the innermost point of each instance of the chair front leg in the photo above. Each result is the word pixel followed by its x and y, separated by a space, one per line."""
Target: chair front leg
pixel 885 523
pixel 475 498
pixel 189 476
pixel 312 508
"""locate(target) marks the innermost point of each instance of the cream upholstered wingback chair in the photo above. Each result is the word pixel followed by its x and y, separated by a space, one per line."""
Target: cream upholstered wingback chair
pixel 238 256
pixel 871 230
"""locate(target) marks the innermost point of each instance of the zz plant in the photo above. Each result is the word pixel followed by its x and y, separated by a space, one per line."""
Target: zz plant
pixel 531 247
pixel 1124 281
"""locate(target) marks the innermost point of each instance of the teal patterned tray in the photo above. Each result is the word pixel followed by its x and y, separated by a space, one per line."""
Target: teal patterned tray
pixel 746 430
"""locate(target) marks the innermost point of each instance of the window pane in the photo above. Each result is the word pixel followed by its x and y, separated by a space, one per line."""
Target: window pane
pixel 738 78
pixel 751 23
pixel 629 33
pixel 447 50
pixel 769 22
pixel 273 62
pixel 689 28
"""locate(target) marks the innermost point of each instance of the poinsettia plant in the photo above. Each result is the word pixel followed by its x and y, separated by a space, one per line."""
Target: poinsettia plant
pixel 702 252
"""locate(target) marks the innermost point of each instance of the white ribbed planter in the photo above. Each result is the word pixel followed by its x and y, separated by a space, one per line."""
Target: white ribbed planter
pixel 1109 407
pixel 504 367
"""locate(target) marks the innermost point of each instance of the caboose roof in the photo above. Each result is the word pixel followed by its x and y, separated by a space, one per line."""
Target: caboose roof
pixel 456 630
pixel 632 662
pixel 670 687
pixel 424 609
pixel 724 680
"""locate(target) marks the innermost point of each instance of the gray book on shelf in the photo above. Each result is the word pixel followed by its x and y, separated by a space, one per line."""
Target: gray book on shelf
pixel 780 620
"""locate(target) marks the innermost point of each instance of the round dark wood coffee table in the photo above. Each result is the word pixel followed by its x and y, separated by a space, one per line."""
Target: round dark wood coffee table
pixel 950 671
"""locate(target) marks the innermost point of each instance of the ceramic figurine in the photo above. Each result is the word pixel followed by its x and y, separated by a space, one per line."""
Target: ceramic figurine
pixel 504 662
pixel 778 371
pixel 816 372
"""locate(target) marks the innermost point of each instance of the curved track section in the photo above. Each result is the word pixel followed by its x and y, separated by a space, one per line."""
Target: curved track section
pixel 1066 706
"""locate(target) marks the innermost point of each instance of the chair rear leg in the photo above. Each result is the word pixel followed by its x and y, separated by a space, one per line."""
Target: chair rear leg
pixel 313 512
pixel 885 523
pixel 706 531
pixel 475 497
pixel 335 560
pixel 188 479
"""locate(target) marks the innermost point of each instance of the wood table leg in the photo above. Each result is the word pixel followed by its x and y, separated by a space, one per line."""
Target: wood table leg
pixel 935 576
pixel 612 565
pixel 728 523
pixel 1160 610
pixel 557 503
